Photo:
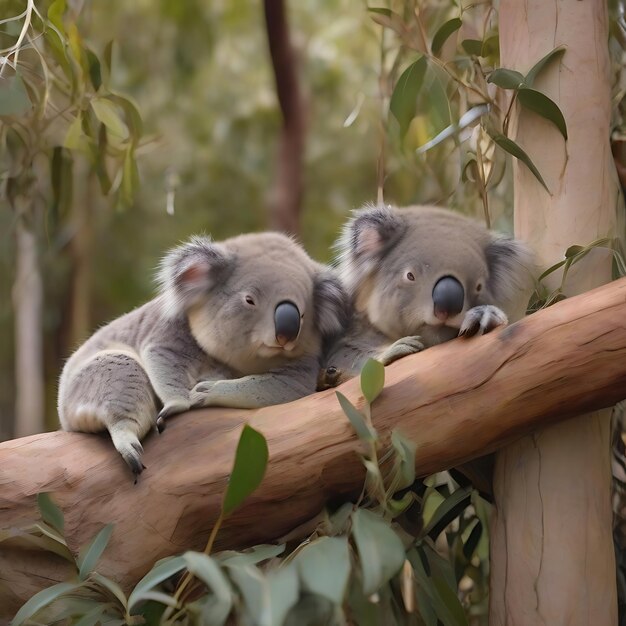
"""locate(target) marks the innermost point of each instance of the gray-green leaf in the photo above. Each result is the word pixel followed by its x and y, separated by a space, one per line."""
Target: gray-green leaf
pixel 324 567
pixel 50 512
pixel 507 79
pixel 381 552
pixel 89 555
pixel 538 67
pixel 41 600
pixel 248 469
pixel 14 99
pixel 160 572
pixel 356 419
pixel 404 96
pixel 538 102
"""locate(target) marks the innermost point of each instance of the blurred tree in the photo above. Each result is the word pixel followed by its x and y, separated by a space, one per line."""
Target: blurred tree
pixel 286 192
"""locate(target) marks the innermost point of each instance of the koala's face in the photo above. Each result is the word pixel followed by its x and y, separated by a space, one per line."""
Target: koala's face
pixel 255 301
pixel 417 271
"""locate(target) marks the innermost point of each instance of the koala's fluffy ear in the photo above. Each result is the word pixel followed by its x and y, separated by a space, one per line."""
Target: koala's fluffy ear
pixel 188 272
pixel 330 301
pixel 511 268
pixel 365 239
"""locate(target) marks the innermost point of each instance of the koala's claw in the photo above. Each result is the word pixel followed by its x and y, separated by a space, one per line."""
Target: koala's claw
pixel 168 410
pixel 200 394
pixel 400 348
pixel 481 320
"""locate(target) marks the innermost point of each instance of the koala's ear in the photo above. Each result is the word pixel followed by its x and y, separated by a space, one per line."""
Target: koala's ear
pixel 188 272
pixel 364 240
pixel 330 301
pixel 511 268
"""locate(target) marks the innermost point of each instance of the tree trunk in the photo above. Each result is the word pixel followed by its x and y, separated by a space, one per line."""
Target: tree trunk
pixel 286 192
pixel 27 307
pixel 552 556
pixel 456 401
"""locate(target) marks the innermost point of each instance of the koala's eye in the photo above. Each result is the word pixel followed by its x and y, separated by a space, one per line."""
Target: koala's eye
pixel 410 276
pixel 250 301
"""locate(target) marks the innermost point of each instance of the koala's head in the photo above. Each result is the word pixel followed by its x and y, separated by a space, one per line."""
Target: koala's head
pixel 254 301
pixel 418 270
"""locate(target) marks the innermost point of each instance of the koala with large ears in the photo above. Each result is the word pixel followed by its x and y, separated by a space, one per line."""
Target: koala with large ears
pixel 420 276
pixel 239 323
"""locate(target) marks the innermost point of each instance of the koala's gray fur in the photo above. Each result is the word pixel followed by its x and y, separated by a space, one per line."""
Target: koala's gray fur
pixel 390 261
pixel 210 338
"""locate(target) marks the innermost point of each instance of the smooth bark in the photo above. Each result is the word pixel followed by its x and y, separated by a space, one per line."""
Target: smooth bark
pixel 552 556
pixel 457 401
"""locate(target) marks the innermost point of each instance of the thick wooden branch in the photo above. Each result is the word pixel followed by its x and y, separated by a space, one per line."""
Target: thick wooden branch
pixel 457 401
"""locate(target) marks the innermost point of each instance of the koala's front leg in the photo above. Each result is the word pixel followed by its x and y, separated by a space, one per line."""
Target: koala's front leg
pixel 482 319
pixel 400 348
pixel 258 390
pixel 169 374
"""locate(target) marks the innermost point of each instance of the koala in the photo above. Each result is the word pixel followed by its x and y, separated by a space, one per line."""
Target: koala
pixel 417 277
pixel 239 323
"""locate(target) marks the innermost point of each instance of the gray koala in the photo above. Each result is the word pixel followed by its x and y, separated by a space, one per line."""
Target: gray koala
pixel 238 324
pixel 417 277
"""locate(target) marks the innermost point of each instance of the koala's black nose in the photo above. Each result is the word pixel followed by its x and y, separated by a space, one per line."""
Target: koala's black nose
pixel 448 297
pixel 286 322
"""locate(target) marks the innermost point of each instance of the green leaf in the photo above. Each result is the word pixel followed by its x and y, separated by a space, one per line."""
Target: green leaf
pixel 55 15
pixel 512 148
pixel 357 420
pixel 74 138
pixel 14 99
pixel 471 537
pixel 160 572
pixel 448 510
pixel 132 116
pixel 445 30
pixel 405 450
pixel 473 47
pixel 50 512
pixel 324 567
pixel 61 179
pixel 89 555
pixel 95 73
pixel 130 176
pixel 248 469
pixel 404 96
pixel 372 379
pixel 507 79
pixel 108 114
pixel 451 602
pixel 252 556
pixel 268 598
pixel 220 602
pixel 112 587
pixel 536 69
pixel 380 10
pixel 381 552
pixel 542 105
pixel 41 600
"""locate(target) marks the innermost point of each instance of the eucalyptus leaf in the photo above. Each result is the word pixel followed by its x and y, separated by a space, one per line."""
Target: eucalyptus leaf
pixel 41 600
pixel 380 11
pixel 404 97
pixel 206 569
pixel 324 567
pixel 444 31
pixel 50 512
pixel 405 451
pixel 248 470
pixel 513 149
pixel 108 114
pixel 14 99
pixel 160 572
pixel 506 79
pixel 252 556
pixel 538 67
pixel 112 587
pixel 451 601
pixel 472 47
pixel 89 555
pixel 448 510
pixel 470 543
pixel 381 553
pixel 542 105
pixel 372 379
pixel 356 418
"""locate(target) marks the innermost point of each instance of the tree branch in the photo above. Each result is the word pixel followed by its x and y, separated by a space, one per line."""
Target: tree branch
pixel 457 401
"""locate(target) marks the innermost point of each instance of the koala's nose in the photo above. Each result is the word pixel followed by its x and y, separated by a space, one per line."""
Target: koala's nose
pixel 448 297
pixel 286 322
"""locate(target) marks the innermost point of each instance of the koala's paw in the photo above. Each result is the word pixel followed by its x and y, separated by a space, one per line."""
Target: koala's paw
pixel 402 347
pixel 128 445
pixel 170 408
pixel 482 319
pixel 201 395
